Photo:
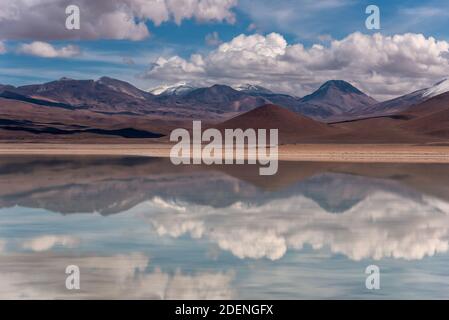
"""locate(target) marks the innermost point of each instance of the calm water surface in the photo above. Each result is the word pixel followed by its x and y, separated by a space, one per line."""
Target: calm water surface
pixel 141 228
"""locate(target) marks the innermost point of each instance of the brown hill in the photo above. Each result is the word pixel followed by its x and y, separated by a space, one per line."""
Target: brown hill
pixel 430 118
pixel 427 122
pixel 431 106
pixel 374 130
pixel 292 127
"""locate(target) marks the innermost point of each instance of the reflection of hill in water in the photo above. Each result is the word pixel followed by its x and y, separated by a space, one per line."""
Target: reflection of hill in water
pixel 112 185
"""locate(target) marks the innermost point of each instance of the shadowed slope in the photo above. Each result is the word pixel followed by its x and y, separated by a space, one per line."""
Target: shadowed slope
pixel 430 118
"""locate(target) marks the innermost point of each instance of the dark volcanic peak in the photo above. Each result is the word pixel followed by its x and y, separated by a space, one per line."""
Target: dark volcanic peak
pixel 335 98
pixel 333 85
pixel 342 85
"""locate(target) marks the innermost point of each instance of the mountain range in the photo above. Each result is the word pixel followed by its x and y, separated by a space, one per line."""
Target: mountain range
pixel 109 185
pixel 334 99
pixel 111 108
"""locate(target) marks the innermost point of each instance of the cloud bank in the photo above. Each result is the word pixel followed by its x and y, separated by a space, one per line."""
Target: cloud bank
pixel 105 277
pixel 110 19
pixel 383 225
pixel 383 66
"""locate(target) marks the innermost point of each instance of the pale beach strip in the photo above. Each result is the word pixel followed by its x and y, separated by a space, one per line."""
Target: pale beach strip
pixel 300 152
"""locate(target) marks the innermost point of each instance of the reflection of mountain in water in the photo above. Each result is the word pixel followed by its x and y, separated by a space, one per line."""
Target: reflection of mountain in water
pixel 112 185
pixel 380 226
pixel 336 192
pixel 384 210
pixel 196 232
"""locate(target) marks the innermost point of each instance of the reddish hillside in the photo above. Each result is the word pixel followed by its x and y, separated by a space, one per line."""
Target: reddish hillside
pixel 292 126
pixel 429 118
pixel 431 106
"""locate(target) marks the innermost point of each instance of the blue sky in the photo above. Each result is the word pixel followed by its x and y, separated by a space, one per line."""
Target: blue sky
pixel 298 22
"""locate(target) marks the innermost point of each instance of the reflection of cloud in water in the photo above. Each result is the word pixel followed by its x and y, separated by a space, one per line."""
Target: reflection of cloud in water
pixel 2 246
pixel 356 210
pixel 47 242
pixel 41 276
pixel 382 225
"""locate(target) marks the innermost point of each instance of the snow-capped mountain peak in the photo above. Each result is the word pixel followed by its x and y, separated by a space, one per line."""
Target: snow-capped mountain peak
pixel 177 89
pixel 252 88
pixel 439 88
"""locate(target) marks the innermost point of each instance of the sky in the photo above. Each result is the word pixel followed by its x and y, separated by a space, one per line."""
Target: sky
pixel 284 45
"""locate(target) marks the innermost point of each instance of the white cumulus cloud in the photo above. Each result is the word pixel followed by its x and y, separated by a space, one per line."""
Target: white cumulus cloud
pixel 46 242
pixel 383 66
pixel 46 50
pixel 383 225
pixel 111 19
pixel 106 277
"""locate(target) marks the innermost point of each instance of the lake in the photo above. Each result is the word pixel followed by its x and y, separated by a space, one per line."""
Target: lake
pixel 142 228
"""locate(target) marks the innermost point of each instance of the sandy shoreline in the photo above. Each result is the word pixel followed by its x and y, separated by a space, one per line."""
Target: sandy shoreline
pixel 304 152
